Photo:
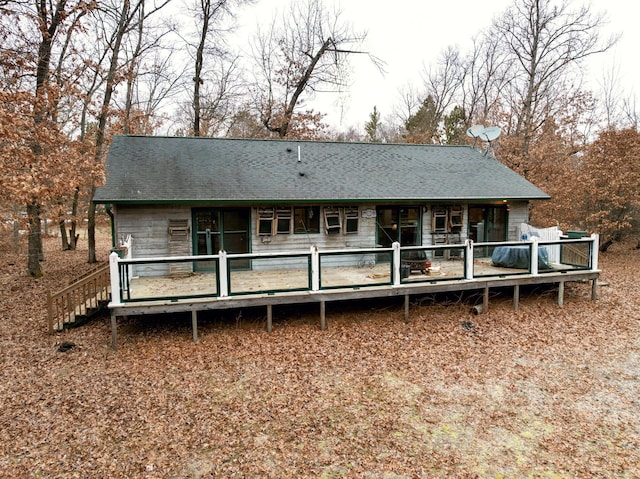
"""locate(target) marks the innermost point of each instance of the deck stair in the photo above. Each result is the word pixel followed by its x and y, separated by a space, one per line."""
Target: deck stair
pixel 78 302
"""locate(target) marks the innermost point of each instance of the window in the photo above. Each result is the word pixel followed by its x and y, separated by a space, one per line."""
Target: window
pixel 446 219
pixel 306 219
pixel 455 218
pixel 265 221
pixel 332 223
pixel 439 221
pixel 351 219
pixel 283 221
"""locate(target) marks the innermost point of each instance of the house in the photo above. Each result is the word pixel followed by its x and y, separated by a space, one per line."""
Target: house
pixel 202 195
pixel 218 223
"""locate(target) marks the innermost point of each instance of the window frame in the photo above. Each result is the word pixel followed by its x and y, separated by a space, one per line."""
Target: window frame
pixel 351 214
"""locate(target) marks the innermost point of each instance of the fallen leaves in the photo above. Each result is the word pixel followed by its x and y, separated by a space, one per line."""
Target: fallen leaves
pixel 544 391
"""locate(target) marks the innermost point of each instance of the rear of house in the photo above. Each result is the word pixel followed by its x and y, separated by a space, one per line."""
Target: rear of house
pixel 198 196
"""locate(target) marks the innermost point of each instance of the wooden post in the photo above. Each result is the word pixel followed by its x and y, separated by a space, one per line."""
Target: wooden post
pixel 114 332
pixel 114 274
pixel 323 311
pixel 485 299
pixel 560 293
pixel 594 289
pixel 223 273
pixel 315 268
pixel 406 308
pixel 269 318
pixel 194 325
pixel 516 297
pixel 468 259
pixel 50 311
pixel 395 276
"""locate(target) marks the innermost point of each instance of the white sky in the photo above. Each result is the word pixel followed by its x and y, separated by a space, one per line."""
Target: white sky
pixel 407 34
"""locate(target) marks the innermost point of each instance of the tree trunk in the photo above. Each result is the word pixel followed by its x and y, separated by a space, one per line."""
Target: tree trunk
pixel 63 235
pixel 605 246
pixel 35 241
pixel 91 227
pixel 73 237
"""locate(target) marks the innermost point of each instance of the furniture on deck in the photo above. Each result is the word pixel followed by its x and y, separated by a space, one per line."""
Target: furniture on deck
pixel 519 257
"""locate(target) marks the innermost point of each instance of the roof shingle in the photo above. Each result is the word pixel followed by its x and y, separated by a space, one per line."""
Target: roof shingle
pixel 149 169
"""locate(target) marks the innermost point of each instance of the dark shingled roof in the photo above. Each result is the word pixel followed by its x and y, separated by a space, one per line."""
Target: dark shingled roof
pixel 149 169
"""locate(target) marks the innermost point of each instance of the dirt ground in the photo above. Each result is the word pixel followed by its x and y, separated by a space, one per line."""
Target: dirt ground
pixel 542 392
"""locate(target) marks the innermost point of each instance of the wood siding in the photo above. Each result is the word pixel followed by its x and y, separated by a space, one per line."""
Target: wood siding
pixel 149 228
pixel 518 213
pixel 148 225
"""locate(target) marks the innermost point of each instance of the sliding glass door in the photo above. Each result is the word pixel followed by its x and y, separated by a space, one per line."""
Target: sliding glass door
pixel 218 229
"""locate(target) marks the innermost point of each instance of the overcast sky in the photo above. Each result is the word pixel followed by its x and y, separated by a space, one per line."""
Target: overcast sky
pixel 408 34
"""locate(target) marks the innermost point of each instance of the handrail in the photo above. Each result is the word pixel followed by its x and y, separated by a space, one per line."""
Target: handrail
pixel 85 293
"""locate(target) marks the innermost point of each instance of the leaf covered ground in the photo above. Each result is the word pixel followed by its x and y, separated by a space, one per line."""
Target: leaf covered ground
pixel 544 392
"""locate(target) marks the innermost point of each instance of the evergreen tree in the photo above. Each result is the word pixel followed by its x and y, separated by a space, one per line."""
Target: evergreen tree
pixel 372 127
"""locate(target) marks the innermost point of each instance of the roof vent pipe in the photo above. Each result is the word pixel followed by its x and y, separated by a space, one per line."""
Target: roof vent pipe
pixel 299 158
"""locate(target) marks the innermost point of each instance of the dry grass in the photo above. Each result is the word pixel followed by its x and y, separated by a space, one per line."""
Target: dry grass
pixel 542 392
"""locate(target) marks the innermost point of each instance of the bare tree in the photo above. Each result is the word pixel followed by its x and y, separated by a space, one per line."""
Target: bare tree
pixel 303 53
pixel 485 75
pixel 444 82
pixel 545 40
pixel 121 19
pixel 216 75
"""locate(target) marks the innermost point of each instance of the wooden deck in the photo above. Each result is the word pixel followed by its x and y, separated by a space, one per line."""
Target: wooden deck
pixel 256 282
pixel 225 289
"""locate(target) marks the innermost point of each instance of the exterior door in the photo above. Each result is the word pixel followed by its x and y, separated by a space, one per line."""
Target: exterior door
pixel 398 223
pixel 218 229
pixel 487 223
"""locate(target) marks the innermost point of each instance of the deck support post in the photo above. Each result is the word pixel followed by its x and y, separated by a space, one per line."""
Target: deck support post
pixel 594 289
pixel 269 318
pixel 406 308
pixel 485 299
pixel 323 312
pixel 560 293
pixel 114 331
pixel 516 297
pixel 194 325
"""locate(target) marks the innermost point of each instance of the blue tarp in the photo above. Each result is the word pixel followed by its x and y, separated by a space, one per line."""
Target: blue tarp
pixel 519 257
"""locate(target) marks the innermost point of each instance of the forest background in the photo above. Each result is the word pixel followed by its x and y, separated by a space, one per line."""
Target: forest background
pixel 74 73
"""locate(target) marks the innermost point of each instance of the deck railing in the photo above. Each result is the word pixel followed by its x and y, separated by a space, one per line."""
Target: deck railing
pixel 315 270
pixel 79 299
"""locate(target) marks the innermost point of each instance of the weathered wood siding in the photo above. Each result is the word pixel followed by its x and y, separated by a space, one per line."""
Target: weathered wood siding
pixel 364 238
pixel 149 228
pixel 518 213
pixel 148 225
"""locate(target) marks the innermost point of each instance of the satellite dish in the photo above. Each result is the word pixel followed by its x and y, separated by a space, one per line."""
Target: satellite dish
pixel 490 133
pixel 475 131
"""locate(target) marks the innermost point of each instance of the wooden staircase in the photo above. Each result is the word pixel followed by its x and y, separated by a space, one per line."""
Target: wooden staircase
pixel 79 301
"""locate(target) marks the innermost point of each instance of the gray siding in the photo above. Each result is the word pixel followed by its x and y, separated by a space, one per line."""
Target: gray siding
pixel 518 213
pixel 148 226
pixel 364 238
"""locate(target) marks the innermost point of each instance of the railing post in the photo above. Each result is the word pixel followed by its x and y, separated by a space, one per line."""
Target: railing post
pixel 534 255
pixel 50 311
pixel 223 265
pixel 114 273
pixel 315 268
pixel 468 259
pixel 396 263
pixel 595 248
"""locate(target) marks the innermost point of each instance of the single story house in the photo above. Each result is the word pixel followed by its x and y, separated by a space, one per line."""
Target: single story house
pixel 195 196
pixel 219 223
